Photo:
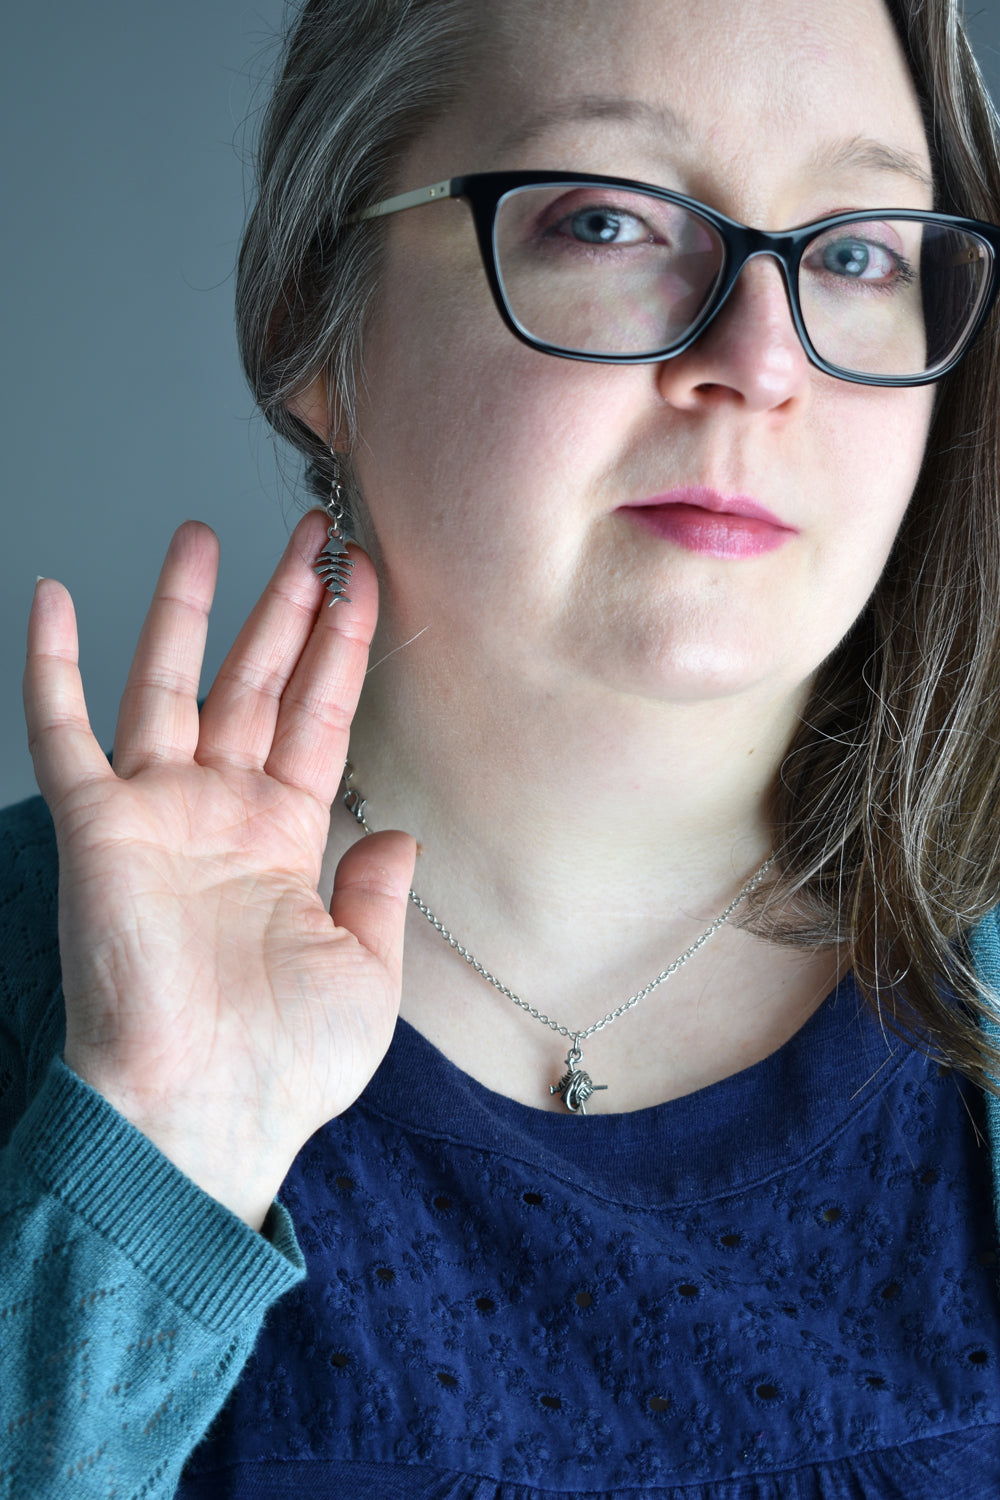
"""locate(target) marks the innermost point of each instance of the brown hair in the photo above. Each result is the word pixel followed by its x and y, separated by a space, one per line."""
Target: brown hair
pixel 886 810
pixel 888 806
pixel 358 81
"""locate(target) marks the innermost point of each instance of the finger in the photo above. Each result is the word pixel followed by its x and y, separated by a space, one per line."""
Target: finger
pixel 63 749
pixel 158 714
pixel 371 891
pixel 240 713
pixel 317 707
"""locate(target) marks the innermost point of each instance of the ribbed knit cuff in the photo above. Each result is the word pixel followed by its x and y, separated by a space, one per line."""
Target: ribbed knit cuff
pixel 96 1163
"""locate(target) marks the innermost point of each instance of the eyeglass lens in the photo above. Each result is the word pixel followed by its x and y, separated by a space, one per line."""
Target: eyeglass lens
pixel 605 270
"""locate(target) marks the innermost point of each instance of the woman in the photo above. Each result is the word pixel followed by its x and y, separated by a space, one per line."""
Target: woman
pixel 683 679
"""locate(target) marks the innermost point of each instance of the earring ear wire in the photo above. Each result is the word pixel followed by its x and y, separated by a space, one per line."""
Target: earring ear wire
pixel 334 564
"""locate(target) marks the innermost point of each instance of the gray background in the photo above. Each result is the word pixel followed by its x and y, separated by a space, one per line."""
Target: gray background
pixel 124 408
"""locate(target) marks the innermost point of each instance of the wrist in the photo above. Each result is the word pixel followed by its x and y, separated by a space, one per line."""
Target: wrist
pixel 225 1152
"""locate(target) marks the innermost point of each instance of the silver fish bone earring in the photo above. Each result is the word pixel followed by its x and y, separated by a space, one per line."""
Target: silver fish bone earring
pixel 334 564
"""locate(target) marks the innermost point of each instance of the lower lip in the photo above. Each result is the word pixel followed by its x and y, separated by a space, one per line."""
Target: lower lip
pixel 714 533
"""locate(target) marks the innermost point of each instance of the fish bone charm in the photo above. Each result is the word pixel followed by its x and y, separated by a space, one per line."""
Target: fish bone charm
pixel 334 565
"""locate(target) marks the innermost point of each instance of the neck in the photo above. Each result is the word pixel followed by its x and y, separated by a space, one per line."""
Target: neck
pixel 530 806
pixel 577 848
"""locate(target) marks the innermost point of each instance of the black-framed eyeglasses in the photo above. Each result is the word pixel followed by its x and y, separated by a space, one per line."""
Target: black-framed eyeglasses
pixel 620 272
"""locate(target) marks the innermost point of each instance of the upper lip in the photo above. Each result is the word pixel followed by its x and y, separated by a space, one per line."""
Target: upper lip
pixel 705 498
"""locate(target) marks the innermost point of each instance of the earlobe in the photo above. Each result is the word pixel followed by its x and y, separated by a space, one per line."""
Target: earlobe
pixel 319 413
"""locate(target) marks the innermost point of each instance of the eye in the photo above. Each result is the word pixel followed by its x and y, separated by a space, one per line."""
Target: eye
pixel 602 225
pixel 858 259
pixel 854 258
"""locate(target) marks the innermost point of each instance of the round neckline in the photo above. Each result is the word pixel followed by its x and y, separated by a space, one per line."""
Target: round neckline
pixel 764 1120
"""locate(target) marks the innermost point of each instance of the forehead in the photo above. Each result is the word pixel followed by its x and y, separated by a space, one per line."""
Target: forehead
pixel 742 87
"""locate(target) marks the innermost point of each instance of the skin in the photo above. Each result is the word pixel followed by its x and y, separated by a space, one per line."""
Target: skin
pixel 614 707
pixel 585 735
pixel 471 439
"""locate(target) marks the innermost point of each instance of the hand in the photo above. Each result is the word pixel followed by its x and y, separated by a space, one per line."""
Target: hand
pixel 210 996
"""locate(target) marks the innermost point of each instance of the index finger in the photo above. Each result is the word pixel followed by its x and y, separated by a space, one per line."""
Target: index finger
pixel 250 712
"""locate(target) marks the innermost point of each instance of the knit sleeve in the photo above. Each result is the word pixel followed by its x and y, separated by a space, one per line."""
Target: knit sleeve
pixel 129 1299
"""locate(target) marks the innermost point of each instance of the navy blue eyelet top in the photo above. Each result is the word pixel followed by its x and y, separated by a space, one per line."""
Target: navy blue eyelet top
pixel 783 1285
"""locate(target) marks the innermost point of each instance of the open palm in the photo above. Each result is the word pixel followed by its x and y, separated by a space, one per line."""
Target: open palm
pixel 209 993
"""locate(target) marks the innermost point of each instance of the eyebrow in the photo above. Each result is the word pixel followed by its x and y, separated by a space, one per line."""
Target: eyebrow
pixel 660 120
pixel 862 153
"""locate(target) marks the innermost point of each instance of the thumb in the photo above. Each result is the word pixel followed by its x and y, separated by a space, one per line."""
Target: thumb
pixel 371 893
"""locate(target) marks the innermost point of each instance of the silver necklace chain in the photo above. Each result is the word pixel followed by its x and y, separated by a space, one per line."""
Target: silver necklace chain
pixel 575 1086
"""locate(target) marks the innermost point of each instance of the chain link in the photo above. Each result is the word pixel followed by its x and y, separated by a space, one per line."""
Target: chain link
pixel 357 805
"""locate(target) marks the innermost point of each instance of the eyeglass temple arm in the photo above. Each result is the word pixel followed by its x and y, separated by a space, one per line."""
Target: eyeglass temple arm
pixel 413 199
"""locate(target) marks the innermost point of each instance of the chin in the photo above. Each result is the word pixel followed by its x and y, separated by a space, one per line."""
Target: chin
pixel 670 666
pixel 685 678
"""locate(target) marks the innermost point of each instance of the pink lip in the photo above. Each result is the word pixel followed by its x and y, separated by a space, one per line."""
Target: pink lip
pixel 701 520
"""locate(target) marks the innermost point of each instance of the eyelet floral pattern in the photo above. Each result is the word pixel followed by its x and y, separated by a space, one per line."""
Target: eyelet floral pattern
pixel 782 1286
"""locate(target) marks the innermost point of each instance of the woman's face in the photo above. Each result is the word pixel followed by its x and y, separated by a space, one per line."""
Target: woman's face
pixel 503 483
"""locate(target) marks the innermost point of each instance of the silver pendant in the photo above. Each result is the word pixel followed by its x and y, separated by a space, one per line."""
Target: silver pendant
pixel 575 1085
pixel 334 565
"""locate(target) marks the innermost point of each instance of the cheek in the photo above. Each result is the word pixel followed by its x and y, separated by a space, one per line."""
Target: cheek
pixel 869 456
pixel 458 413
pixel 870 442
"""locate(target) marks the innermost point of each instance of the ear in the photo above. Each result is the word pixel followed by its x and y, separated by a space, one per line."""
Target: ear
pixel 313 406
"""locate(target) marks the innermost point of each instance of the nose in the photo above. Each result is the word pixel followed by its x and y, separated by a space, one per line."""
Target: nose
pixel 750 354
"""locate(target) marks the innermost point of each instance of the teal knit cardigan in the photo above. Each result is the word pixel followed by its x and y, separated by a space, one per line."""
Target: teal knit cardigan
pixel 129 1299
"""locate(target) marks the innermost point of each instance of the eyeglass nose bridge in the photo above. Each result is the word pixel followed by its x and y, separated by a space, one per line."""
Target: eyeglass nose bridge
pixel 742 245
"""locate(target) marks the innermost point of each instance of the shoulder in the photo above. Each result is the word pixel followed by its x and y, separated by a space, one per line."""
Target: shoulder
pixel 984 949
pixel 984 945
pixel 29 877
pixel 30 993
pixel 27 848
